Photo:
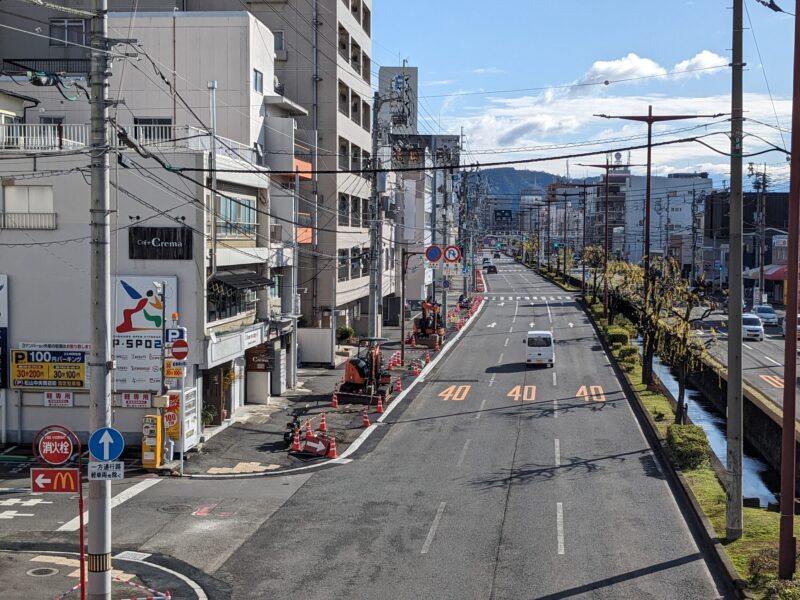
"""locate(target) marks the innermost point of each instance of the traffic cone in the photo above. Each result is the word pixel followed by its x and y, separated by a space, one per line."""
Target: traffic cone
pixel 308 428
pixel 427 358
pixel 398 385
pixel 332 448
pixel 415 370
pixel 436 344
pixel 334 400
pixel 379 407
pixel 365 419
pixel 296 441
pixel 413 341
pixel 323 426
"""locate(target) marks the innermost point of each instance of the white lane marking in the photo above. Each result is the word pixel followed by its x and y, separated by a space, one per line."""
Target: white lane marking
pixel 555 408
pixel 501 303
pixel 549 314
pixel 772 360
pixel 491 381
pixel 560 527
pixel 434 526
pixel 500 359
pixel 748 347
pixel 531 324
pixel 552 298
pixel 527 297
pixel 505 345
pixel 555 381
pixel 491 325
pixel 511 329
pixel 534 297
pixel 516 308
pixel 606 357
pixel 572 324
pixel 463 454
pixel 10 514
pixel 7 450
pixel 480 409
pixel 558 453
pixel 123 496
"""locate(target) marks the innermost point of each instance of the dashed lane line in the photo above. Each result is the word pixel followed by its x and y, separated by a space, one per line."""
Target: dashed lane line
pixel 558 453
pixel 463 454
pixel 560 527
pixel 434 526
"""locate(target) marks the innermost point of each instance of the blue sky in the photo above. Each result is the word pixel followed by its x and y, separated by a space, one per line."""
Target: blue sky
pixel 674 54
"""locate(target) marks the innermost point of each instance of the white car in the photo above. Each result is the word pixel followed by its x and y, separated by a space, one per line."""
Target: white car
pixel 798 326
pixel 752 327
pixel 767 314
pixel 540 348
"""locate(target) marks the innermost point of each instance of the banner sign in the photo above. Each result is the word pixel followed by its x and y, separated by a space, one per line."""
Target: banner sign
pixel 48 368
pixel 58 399
pixel 135 400
pixel 160 243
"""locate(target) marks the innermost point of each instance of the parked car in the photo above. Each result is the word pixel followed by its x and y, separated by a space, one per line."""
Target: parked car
pixel 752 327
pixel 783 326
pixel 497 255
pixel 486 260
pixel 767 314
pixel 491 269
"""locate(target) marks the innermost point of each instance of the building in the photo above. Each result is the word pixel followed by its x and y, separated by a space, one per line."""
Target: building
pixel 227 265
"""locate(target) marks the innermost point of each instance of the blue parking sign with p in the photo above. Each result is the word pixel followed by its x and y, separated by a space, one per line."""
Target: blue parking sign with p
pixel 175 333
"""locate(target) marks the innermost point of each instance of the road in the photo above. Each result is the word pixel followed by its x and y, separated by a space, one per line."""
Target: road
pixel 489 481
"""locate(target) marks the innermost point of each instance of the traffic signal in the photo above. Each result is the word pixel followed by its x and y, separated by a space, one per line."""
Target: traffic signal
pixel 555 245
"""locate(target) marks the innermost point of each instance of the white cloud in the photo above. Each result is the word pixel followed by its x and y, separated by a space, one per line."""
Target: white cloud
pixel 706 59
pixel 487 71
pixel 437 82
pixel 628 67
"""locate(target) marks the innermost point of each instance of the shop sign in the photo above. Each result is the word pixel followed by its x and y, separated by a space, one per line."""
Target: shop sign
pixel 135 400
pixel 58 399
pixel 160 243
pixel 48 368
pixel 258 359
pixel 137 331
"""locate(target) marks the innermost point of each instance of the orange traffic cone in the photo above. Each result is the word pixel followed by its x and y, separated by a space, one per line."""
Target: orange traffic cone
pixel 365 419
pixel 379 408
pixel 323 426
pixel 334 400
pixel 296 441
pixel 332 448
pixel 427 358
pixel 415 370
pixel 436 344
pixel 398 386
pixel 308 428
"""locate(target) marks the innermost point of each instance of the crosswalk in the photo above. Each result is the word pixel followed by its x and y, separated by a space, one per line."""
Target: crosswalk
pixel 498 298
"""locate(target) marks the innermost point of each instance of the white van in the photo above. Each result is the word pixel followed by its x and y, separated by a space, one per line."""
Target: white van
pixel 540 348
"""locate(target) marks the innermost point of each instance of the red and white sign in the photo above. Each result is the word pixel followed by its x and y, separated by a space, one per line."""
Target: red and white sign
pixel 180 349
pixel 316 445
pixel 452 254
pixel 136 400
pixel 55 447
pixel 170 418
pixel 58 399
pixel 55 481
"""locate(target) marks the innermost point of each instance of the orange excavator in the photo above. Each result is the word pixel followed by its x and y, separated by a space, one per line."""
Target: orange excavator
pixel 364 375
pixel 429 327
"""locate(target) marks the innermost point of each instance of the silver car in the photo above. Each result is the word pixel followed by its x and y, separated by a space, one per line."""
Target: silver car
pixel 767 314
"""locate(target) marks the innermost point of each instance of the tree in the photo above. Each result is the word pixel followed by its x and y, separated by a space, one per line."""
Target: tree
pixel 664 280
pixel 531 249
pixel 624 285
pixel 564 260
pixel 681 346
pixel 594 258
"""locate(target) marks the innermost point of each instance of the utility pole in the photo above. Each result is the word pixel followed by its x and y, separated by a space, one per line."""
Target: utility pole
pixel 101 366
pixel 694 236
pixel 734 426
pixel 760 184
pixel 212 166
pixel 375 232
pixel 463 208
pixel 788 546
pixel 434 210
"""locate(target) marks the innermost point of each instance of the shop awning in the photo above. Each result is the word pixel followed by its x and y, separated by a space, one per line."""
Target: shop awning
pixel 242 279
pixel 771 273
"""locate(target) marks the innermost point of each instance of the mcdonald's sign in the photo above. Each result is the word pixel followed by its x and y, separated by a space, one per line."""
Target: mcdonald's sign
pixel 55 481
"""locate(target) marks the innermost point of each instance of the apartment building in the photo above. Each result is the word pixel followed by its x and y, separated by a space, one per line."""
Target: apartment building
pixel 232 289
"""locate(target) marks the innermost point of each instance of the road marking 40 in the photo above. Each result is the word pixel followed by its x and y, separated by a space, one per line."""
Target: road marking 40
pixel 591 393
pixel 454 392
pixel 525 393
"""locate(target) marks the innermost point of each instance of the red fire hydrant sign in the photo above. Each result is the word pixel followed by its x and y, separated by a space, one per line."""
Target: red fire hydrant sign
pixel 55 447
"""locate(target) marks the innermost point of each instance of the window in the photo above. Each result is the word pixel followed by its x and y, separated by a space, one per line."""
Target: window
pixel 355 261
pixel 237 216
pixel 275 290
pixel 366 164
pixel 355 158
pixel 258 81
pixel 279 42
pixel 355 211
pixel 366 20
pixel 344 210
pixel 365 213
pixel 344 264
pixel 355 57
pixel 355 108
pixel 366 69
pixel 28 207
pixel 540 342
pixel 152 129
pixel 344 43
pixel 64 32
pixel 344 99
pixel 51 120
pixel 366 116
pixel 344 154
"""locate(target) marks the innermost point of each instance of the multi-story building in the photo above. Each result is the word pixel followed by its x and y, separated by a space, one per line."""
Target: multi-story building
pixel 226 257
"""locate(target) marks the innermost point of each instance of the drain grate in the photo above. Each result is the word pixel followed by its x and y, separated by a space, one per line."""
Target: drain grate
pixel 175 509
pixel 42 572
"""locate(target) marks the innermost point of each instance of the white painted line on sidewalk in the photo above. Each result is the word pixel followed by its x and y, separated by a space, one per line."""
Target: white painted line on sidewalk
pixel 500 359
pixel 434 526
pixel 558 453
pixel 505 345
pixel 555 408
pixel 480 409
pixel 772 360
pixel 123 496
pixel 463 454
pixel 555 381
pixel 560 527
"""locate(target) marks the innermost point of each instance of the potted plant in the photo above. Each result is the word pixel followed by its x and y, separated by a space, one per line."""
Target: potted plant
pixel 209 414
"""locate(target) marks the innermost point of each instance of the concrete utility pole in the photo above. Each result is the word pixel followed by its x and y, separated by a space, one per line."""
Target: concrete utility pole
pixel 735 292
pixel 212 166
pixel 101 365
pixel 463 221
pixel 434 210
pixel 788 547
pixel 375 233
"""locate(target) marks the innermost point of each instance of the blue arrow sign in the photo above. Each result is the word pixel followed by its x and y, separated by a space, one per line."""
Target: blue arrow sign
pixel 106 444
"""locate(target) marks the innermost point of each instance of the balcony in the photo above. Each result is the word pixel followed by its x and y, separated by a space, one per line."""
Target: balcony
pixel 27 137
pixel 11 220
pixel 68 66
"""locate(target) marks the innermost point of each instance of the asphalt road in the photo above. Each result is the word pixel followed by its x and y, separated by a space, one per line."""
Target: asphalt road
pixel 472 493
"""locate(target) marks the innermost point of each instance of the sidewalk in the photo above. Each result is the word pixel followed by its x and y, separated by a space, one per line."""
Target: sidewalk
pixel 253 444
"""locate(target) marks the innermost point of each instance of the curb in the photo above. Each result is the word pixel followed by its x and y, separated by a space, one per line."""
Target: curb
pixel 343 459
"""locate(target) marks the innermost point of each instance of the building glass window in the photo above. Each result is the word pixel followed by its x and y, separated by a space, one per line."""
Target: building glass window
pixel 237 216
pixel 355 261
pixel 64 32
pixel 152 129
pixel 344 264
pixel 279 41
pixel 258 81
pixel 344 210
pixel 355 211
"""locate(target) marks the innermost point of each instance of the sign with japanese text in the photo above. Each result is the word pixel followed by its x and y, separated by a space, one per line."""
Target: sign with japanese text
pixel 55 447
pixel 191 418
pixel 108 471
pixel 48 368
pixel 58 399
pixel 135 400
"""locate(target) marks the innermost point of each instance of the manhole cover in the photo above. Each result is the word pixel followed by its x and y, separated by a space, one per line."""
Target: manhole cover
pixel 175 509
pixel 42 572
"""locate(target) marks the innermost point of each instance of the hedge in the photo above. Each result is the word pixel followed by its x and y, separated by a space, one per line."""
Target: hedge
pixel 628 352
pixel 688 445
pixel 618 335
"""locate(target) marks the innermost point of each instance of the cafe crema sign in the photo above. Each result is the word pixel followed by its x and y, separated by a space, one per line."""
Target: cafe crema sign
pixel 160 243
